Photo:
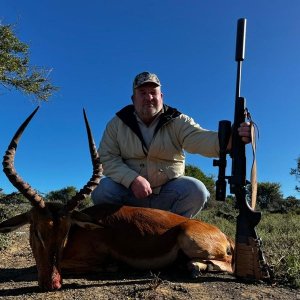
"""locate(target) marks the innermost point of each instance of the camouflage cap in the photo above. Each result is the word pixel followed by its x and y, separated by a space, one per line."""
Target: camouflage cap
pixel 145 77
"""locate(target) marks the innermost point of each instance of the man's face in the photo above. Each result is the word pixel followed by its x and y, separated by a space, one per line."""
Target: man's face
pixel 148 101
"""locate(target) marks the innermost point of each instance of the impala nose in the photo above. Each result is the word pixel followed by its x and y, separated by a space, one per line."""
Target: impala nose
pixel 52 283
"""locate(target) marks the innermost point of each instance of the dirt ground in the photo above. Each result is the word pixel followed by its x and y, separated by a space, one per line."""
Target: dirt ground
pixel 18 280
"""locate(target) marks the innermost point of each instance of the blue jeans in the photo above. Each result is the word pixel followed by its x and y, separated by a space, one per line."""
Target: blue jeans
pixel 184 196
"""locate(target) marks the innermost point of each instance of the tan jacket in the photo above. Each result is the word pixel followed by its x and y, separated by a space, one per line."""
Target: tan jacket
pixel 124 154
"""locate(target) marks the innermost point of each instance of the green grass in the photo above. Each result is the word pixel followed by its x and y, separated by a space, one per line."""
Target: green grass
pixel 281 237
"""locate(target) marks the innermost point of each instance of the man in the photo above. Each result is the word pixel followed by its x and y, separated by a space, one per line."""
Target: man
pixel 142 153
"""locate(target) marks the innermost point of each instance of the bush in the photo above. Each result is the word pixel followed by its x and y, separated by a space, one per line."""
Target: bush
pixel 281 240
pixel 65 194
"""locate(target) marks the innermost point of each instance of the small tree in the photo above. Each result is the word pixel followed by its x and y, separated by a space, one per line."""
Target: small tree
pixel 296 172
pixel 65 194
pixel 269 195
pixel 15 70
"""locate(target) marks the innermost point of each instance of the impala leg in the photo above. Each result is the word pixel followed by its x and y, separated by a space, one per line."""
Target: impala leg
pixel 196 267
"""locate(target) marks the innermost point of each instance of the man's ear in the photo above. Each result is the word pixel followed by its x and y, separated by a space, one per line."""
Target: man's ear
pixel 132 98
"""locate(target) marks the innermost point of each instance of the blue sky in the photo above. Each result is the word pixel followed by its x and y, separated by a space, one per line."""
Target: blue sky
pixel 95 48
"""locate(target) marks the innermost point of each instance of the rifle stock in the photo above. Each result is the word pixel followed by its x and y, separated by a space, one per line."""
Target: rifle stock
pixel 249 261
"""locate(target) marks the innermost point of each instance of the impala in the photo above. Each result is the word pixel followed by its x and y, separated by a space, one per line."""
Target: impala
pixel 63 238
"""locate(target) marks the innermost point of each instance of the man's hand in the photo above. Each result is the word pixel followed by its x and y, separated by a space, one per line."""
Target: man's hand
pixel 141 187
pixel 245 132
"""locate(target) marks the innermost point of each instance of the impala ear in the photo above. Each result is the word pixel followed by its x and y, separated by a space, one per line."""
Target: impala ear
pixel 14 222
pixel 85 221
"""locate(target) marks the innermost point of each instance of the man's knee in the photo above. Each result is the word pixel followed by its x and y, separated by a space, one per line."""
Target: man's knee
pixel 194 196
pixel 107 191
pixel 96 194
pixel 196 188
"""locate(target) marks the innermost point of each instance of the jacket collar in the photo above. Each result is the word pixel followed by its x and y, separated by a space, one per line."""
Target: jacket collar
pixel 127 115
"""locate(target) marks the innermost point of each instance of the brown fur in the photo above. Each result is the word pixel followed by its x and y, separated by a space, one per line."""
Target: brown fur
pixel 145 238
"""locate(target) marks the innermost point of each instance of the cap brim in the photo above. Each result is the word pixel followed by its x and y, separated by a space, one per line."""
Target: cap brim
pixel 147 81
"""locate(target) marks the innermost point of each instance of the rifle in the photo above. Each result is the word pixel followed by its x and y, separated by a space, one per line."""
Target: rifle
pixel 249 260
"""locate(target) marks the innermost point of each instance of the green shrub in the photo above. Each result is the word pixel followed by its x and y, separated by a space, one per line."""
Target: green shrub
pixel 281 242
pixel 65 194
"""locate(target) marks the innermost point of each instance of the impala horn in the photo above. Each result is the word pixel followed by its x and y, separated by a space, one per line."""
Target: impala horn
pixel 10 171
pixel 24 188
pixel 97 172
